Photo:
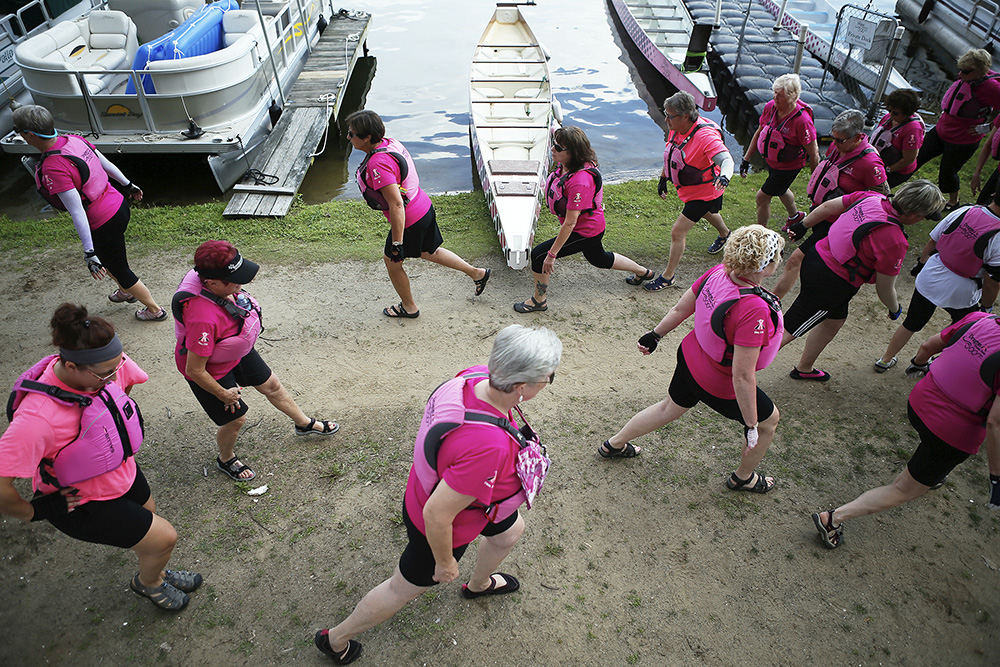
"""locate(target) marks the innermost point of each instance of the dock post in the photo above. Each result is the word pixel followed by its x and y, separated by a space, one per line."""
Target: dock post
pixel 890 57
pixel 781 15
pixel 718 15
pixel 800 48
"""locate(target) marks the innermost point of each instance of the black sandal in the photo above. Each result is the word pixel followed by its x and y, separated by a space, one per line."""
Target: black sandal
pixel 329 428
pixel 734 483
pixel 525 307
pixel 234 471
pixel 348 655
pixel 481 283
pixel 824 529
pixel 626 451
pixel 638 280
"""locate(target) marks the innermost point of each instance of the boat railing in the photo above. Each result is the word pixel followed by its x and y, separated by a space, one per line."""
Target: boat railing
pixel 986 26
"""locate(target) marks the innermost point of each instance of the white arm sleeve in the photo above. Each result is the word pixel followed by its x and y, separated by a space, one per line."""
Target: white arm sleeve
pixel 74 205
pixel 113 171
pixel 726 164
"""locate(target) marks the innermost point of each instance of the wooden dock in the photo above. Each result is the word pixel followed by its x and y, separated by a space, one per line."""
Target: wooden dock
pixel 313 101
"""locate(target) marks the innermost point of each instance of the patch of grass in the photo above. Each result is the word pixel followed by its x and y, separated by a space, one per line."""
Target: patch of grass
pixel 632 658
pixel 633 598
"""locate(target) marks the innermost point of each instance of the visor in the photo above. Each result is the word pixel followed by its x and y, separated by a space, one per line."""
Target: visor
pixel 239 271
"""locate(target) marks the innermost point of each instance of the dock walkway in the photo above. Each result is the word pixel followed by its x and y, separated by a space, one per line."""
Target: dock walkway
pixel 313 101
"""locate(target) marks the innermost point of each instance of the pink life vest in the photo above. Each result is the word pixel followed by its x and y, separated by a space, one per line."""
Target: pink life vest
pixel 771 143
pixel 445 412
pixel 247 313
pixel 675 162
pixel 408 181
pixel 963 244
pixel 960 100
pixel 883 134
pixel 715 296
pixel 111 428
pixel 967 368
pixel 824 183
pixel 851 228
pixel 94 180
pixel 555 190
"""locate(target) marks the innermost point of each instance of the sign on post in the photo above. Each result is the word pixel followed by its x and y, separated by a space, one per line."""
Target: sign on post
pixel 860 32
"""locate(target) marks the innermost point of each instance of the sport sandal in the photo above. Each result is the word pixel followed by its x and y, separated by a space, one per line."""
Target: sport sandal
pixel 230 468
pixel 882 367
pixel 659 283
pixel 329 428
pixel 734 483
pixel 146 315
pixel 481 283
pixel 165 596
pixel 825 528
pixel 638 280
pixel 626 451
pixel 531 306
pixel 183 580
pixel 121 296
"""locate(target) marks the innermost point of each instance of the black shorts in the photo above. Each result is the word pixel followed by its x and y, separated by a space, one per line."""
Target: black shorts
pixel 696 209
pixel 250 372
pixel 592 248
pixel 121 522
pixel 934 458
pixel 778 181
pixel 420 237
pixel 417 561
pixel 816 232
pixel 109 244
pixel 894 178
pixel 686 392
pixel 920 310
pixel 822 294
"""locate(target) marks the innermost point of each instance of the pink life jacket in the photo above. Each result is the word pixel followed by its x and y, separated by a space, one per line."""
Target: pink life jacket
pixel 111 428
pixel 967 368
pixel 962 245
pixel 555 190
pixel 675 163
pixel 883 134
pixel 715 296
pixel 94 180
pixel 960 100
pixel 445 412
pixel 408 181
pixel 851 228
pixel 245 311
pixel 771 143
pixel 824 183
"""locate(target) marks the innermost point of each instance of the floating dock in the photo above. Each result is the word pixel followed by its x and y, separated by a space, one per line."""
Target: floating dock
pixel 314 100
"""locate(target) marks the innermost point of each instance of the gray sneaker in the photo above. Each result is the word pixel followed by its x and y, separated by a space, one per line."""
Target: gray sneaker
pixel 717 245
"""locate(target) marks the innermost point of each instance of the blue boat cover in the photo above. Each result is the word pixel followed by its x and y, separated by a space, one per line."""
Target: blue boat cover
pixel 199 35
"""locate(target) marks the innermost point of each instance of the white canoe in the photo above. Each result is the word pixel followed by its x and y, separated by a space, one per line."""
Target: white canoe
pixel 661 29
pixel 511 121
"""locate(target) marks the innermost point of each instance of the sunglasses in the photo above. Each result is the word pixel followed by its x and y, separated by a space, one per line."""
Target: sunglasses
pixel 557 148
pixel 350 134
pixel 552 377
pixel 843 140
pixel 966 71
pixel 110 376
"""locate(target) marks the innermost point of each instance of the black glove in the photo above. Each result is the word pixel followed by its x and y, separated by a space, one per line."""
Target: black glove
pixel 916 268
pixel 661 187
pixel 49 506
pixel 396 252
pixel 917 369
pixel 131 190
pixel 93 263
pixel 797 231
pixel 895 315
pixel 744 168
pixel 649 340
pixel 722 182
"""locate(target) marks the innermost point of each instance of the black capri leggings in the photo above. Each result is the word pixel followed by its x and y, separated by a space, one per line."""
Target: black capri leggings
pixel 591 247
pixel 953 156
pixel 109 244
pixel 920 311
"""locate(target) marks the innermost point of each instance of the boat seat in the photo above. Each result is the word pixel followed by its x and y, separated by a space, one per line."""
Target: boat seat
pixel 105 40
pixel 238 22
pixel 528 167
pixel 492 93
pixel 527 93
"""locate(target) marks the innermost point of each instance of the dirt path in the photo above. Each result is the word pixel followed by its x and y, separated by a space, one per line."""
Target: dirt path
pixel 649 561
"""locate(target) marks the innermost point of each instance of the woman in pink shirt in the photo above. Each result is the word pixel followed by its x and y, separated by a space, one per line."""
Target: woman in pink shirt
pixel 966 109
pixel 388 181
pixel 575 195
pixel 474 474
pixel 899 135
pixel 114 507
pixel 736 333
pixel 991 149
pixel 954 411
pixel 74 176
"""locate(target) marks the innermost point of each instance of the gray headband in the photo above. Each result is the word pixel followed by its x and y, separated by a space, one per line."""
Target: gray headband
pixel 93 355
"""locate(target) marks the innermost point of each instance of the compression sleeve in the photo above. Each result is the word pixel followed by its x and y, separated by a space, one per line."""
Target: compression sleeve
pixel 74 205
pixel 726 164
pixel 113 171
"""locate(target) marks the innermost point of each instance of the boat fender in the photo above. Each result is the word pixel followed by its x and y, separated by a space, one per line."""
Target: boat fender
pixel 557 110
pixel 926 10
pixel 321 24
pixel 697 47
pixel 274 111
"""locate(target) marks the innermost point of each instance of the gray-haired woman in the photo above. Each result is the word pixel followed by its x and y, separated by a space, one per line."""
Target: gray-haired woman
pixel 471 487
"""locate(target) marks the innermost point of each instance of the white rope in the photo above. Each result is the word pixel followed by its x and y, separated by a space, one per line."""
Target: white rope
pixel 328 98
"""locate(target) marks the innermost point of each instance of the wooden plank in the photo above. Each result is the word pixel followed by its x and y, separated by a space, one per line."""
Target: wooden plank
pixel 264 189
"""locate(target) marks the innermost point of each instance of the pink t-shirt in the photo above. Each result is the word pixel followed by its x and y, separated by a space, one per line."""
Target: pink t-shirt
pixel 704 146
pixel 883 249
pixel 60 175
pixel 382 170
pixel 962 429
pixel 910 137
pixel 205 324
pixel 865 173
pixel 797 131
pixel 581 195
pixel 958 130
pixel 475 460
pixel 747 324
pixel 41 427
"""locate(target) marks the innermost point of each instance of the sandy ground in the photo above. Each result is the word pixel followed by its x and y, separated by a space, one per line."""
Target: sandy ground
pixel 648 561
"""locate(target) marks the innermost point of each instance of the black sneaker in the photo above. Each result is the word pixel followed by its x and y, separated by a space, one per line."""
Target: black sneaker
pixel 717 245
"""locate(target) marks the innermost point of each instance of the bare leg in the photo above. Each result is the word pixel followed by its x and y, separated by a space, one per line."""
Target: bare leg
pixel 447 258
pixel 154 551
pixel 623 263
pixel 647 421
pixel 401 283
pixel 899 338
pixel 752 457
pixel 279 397
pixel 492 551
pixel 816 342
pixel 763 208
pixel 715 219
pixel 678 241
pixel 790 274
pixel 788 199
pixel 225 437
pixel 379 605
pixel 993 456
pixel 141 292
pixel 902 489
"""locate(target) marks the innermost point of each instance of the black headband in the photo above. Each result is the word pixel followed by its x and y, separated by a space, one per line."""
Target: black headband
pixel 93 355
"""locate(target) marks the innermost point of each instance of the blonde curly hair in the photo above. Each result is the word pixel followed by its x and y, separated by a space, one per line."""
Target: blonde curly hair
pixel 749 246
